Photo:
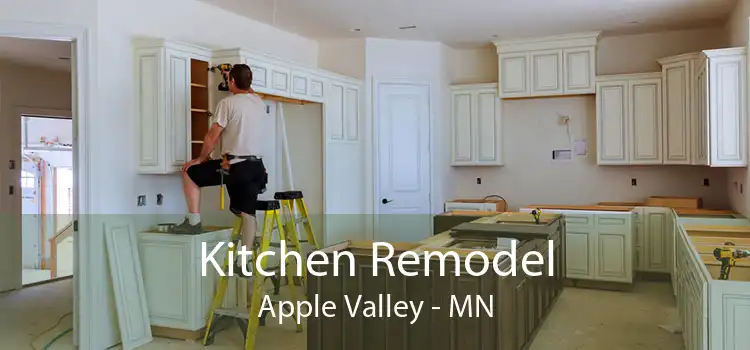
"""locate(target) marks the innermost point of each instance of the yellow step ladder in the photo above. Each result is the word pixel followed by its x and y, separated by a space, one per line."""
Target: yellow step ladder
pixel 275 213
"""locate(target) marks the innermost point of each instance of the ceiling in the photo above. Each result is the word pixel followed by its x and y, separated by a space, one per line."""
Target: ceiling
pixel 36 53
pixel 471 23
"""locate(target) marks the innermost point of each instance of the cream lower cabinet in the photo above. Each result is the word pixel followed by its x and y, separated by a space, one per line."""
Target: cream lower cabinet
pixel 599 245
pixel 654 239
pixel 629 119
pixel 178 294
pixel 476 125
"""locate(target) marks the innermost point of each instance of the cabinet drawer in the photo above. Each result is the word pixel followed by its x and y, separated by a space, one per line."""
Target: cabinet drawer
pixel 578 219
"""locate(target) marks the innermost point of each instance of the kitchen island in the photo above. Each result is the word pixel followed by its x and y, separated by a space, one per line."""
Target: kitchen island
pixel 505 311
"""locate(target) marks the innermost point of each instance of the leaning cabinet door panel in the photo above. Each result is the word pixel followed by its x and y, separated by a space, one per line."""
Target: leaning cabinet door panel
pixel 727 107
pixel 461 127
pixel 546 72
pixel 514 71
pixel 645 121
pixel 612 116
pixel 579 70
pixel 487 124
pixel 677 112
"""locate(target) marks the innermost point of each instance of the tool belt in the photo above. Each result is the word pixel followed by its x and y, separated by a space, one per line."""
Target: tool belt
pixel 231 157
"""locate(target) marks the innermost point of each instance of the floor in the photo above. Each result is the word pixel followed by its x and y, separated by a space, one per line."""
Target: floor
pixel 582 320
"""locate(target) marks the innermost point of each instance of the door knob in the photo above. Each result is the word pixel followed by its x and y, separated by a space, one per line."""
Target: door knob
pixel 386 201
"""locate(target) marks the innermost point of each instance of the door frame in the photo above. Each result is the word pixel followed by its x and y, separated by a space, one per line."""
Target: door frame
pixel 82 77
pixel 374 180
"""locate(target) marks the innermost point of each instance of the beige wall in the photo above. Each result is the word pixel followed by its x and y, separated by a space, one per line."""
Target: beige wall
pixel 737 32
pixel 531 132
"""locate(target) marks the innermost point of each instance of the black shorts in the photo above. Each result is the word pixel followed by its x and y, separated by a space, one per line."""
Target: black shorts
pixel 246 180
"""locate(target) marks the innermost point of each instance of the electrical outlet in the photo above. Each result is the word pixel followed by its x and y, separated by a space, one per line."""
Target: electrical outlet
pixel 159 199
pixel 706 182
pixel 142 200
pixel 633 182
pixel 479 181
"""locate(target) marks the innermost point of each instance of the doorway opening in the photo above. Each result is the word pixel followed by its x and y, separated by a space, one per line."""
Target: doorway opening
pixel 46 179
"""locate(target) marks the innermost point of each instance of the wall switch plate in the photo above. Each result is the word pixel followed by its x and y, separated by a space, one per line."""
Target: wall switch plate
pixel 633 182
pixel 142 200
pixel 159 199
pixel 706 182
pixel 479 181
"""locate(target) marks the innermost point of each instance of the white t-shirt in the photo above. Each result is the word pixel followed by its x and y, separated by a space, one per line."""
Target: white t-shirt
pixel 241 117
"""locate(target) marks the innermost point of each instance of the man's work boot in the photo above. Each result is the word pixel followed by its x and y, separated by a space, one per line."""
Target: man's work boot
pixel 186 229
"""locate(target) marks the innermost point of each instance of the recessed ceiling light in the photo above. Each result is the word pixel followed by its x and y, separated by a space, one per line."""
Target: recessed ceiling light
pixel 408 27
pixel 354 30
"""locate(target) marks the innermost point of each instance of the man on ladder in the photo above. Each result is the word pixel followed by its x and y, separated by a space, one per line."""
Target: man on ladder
pixel 238 126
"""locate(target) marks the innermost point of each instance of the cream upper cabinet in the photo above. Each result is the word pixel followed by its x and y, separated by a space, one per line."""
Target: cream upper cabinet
pixel 628 118
pixel 725 102
pixel 165 77
pixel 547 66
pixel 476 131
pixel 677 75
pixel 705 108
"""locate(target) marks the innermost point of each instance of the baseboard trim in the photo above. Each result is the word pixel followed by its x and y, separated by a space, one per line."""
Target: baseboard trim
pixel 653 276
pixel 603 285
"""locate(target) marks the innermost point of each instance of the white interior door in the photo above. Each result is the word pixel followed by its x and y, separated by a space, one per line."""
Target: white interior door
pixel 402 119
pixel 30 223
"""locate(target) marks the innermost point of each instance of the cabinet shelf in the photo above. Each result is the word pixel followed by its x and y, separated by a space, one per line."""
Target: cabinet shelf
pixel 199 85
pixel 199 110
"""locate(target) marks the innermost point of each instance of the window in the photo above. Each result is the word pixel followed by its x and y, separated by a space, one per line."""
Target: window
pixel 28 180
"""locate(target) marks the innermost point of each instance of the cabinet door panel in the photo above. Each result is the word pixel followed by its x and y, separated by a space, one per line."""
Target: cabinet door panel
pixel 700 115
pixel 149 70
pixel 178 108
pixel 611 263
pixel 578 254
pixel 514 71
pixel 351 107
pixel 612 129
pixel 487 130
pixel 656 244
pixel 579 70
pixel 677 113
pixel 334 111
pixel 546 72
pixel 462 127
pixel 727 106
pixel 645 121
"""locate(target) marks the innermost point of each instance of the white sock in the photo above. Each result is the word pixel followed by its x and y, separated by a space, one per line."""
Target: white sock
pixel 194 219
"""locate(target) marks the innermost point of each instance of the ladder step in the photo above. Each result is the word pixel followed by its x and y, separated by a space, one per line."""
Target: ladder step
pixel 243 314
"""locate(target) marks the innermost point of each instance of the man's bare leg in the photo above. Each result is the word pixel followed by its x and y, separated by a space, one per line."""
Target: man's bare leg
pixel 192 223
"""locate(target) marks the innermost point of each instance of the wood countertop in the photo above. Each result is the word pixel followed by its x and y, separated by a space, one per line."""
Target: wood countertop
pixel 580 207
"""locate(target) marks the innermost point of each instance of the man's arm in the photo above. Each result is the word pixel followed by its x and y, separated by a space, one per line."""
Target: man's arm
pixel 210 140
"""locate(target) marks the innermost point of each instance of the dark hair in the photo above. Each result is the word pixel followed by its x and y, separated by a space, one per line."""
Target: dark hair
pixel 242 76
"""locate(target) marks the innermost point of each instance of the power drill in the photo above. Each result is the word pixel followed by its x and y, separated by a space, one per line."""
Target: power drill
pixel 537 214
pixel 224 68
pixel 728 257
